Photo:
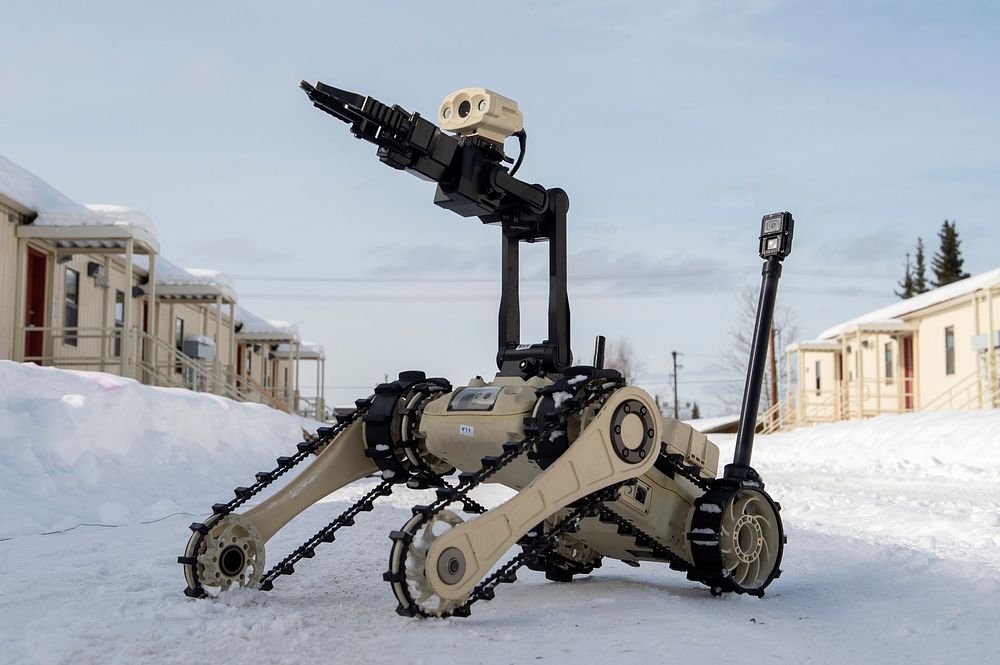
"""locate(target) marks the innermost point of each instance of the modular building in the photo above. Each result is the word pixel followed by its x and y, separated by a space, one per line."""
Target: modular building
pixel 84 287
pixel 936 350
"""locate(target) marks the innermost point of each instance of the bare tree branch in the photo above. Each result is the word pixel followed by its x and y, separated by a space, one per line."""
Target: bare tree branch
pixel 737 356
pixel 621 355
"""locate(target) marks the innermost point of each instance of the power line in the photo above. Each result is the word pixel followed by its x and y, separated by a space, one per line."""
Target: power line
pixel 471 298
pixel 665 274
pixel 686 381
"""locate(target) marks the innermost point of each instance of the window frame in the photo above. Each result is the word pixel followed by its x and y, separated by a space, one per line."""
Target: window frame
pixel 179 343
pixel 949 350
pixel 890 364
pixel 71 308
pixel 119 322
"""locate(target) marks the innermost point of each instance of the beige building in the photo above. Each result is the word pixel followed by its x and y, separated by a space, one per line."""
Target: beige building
pixel 937 350
pixel 83 287
pixel 70 270
pixel 270 356
pixel 309 402
pixel 193 340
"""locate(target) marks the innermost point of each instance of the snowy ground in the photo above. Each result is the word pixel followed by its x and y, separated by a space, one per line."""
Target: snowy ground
pixel 893 552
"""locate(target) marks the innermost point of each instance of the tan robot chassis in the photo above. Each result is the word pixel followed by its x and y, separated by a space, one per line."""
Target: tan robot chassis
pixel 598 471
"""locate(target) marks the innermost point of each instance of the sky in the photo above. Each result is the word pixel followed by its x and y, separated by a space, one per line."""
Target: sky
pixel 673 126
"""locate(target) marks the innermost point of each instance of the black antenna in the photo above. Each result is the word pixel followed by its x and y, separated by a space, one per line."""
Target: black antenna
pixel 775 245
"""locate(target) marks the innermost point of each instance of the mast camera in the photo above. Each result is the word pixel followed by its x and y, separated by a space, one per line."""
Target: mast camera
pixel 776 235
pixel 480 112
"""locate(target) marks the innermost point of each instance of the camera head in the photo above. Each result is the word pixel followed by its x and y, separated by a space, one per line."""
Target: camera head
pixel 480 112
pixel 776 235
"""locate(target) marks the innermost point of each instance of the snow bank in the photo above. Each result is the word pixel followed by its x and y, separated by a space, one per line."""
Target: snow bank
pixel 87 447
pixel 928 482
pixel 957 445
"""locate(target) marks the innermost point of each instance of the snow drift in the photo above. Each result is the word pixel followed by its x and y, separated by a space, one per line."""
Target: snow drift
pixel 86 447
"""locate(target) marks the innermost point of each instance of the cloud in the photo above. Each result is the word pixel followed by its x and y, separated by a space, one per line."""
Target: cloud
pixel 232 250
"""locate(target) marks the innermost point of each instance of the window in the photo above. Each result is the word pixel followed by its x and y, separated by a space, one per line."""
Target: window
pixel 817 379
pixel 119 321
pixel 71 311
pixel 286 377
pixel 889 365
pixel 249 362
pixel 949 350
pixel 179 342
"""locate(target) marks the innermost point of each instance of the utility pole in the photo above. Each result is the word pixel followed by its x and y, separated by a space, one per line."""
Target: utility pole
pixel 676 410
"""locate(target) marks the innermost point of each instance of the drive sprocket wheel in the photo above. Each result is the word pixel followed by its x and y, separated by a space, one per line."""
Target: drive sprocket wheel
pixel 736 539
pixel 407 561
pixel 229 552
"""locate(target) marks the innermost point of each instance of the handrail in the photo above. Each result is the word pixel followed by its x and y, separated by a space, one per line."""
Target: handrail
pixel 329 413
pixel 808 406
pixel 278 403
pixel 70 355
pixel 194 374
pixel 158 361
pixel 246 388
pixel 969 388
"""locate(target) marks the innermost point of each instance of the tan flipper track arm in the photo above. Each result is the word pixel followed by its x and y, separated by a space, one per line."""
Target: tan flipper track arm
pixel 590 463
pixel 340 463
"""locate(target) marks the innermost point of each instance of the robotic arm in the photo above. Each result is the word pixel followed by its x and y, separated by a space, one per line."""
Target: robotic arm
pixel 473 182
pixel 468 169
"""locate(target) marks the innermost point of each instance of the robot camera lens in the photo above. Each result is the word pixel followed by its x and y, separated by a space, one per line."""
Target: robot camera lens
pixel 482 104
pixel 464 109
pixel 447 112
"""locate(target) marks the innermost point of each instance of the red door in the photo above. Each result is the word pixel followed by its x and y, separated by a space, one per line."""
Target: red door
pixel 908 372
pixel 34 316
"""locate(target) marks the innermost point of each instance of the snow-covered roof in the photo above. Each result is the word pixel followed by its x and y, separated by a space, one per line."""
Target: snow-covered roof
pixel 307 351
pixel 106 214
pixel 713 425
pixel 31 192
pixel 257 328
pixel 64 223
pixel 895 313
pixel 818 345
pixel 176 283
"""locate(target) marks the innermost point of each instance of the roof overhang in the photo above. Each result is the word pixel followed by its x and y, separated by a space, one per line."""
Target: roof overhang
pixel 817 346
pixel 194 293
pixel 105 239
pixel 16 205
pixel 306 351
pixel 891 326
pixel 274 337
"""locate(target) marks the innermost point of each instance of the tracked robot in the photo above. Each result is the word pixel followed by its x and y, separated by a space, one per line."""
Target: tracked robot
pixel 598 471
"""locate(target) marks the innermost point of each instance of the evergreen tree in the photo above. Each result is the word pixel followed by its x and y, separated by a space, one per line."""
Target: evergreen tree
pixel 695 411
pixel 947 262
pixel 907 284
pixel 920 270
